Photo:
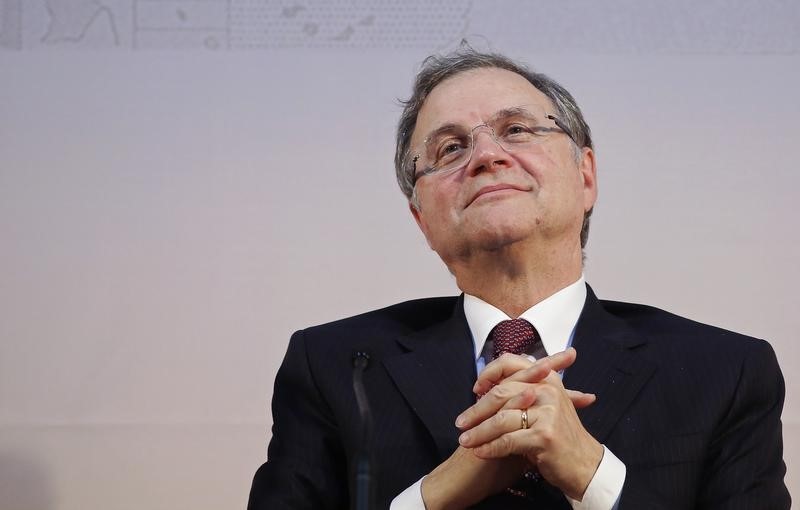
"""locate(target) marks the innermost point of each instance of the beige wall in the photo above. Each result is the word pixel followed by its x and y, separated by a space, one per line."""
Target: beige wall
pixel 169 216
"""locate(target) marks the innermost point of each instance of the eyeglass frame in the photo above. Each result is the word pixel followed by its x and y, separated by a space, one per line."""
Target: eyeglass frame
pixel 415 176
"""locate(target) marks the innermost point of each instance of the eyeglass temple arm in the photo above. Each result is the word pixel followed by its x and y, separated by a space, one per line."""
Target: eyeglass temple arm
pixel 562 127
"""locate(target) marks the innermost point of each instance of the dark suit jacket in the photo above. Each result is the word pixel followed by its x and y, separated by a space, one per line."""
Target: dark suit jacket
pixel 693 411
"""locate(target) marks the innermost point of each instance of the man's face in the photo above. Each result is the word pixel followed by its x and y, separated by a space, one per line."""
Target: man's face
pixel 538 193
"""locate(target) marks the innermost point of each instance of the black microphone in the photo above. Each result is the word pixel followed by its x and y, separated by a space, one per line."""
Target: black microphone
pixel 363 485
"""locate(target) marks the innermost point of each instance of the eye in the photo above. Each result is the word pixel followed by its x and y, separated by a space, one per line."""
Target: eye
pixel 524 130
pixel 449 150
pixel 520 132
pixel 518 129
pixel 451 147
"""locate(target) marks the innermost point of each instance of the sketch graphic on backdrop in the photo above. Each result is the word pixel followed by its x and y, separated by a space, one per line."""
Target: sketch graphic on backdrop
pixel 70 20
pixel 230 24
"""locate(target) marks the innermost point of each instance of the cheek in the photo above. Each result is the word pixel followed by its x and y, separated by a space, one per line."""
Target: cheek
pixel 539 165
pixel 563 171
pixel 441 194
pixel 432 206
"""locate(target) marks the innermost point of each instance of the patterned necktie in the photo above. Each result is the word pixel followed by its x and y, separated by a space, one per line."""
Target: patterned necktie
pixel 516 336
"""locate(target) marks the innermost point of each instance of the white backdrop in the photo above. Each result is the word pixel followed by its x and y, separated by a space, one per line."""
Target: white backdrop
pixel 183 183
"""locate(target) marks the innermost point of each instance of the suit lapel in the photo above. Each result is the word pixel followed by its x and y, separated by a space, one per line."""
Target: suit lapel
pixel 436 375
pixel 608 365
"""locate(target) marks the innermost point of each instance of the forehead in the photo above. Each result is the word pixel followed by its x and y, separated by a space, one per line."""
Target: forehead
pixel 473 96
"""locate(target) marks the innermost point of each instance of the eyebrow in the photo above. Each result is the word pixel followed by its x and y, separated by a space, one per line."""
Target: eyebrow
pixel 510 112
pixel 445 128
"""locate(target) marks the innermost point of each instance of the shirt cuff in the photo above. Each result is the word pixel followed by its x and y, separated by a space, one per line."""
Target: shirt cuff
pixel 409 499
pixel 605 487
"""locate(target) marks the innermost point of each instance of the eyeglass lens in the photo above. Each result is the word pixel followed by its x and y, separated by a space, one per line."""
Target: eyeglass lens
pixel 450 146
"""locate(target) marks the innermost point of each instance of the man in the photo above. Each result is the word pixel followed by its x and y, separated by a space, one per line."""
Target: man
pixel 660 412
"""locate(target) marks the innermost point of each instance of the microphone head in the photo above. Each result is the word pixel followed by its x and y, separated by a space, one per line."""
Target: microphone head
pixel 360 359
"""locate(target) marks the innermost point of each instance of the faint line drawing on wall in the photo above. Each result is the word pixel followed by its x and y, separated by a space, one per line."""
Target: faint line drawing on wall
pixel 70 20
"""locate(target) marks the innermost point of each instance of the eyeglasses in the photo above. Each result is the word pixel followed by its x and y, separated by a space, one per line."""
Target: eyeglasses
pixel 449 147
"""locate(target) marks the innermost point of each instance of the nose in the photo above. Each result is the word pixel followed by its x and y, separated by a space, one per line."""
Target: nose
pixel 487 153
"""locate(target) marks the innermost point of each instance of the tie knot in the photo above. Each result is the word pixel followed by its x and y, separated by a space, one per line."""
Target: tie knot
pixel 516 336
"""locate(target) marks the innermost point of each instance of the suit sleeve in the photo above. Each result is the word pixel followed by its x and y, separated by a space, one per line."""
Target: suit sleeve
pixel 744 467
pixel 306 466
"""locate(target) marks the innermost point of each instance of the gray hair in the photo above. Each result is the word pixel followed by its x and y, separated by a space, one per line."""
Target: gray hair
pixel 438 68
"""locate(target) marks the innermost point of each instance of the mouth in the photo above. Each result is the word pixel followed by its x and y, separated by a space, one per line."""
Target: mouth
pixel 495 189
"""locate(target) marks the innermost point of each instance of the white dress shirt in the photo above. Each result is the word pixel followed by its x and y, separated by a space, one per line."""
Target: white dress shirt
pixel 554 319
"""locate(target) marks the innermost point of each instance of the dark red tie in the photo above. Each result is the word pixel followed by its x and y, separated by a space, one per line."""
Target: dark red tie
pixel 516 336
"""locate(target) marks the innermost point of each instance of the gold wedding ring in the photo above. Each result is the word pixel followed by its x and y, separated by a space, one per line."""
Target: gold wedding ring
pixel 524 417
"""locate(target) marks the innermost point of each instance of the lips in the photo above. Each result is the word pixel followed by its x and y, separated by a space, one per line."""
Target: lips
pixel 494 188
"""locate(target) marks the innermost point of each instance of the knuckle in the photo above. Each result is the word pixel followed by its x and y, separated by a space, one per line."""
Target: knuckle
pixel 507 357
pixel 545 362
pixel 500 392
pixel 549 410
pixel 504 444
pixel 500 418
pixel 549 391
pixel 536 372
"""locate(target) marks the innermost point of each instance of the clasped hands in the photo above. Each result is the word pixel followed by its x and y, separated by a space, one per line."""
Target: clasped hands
pixel 495 449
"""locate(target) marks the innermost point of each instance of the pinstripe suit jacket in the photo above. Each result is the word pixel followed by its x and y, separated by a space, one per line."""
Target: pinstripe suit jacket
pixel 693 411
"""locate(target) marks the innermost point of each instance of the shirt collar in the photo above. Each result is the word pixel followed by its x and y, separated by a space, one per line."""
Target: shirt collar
pixel 554 318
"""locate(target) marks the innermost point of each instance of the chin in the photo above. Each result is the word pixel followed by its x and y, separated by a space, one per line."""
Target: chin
pixel 496 237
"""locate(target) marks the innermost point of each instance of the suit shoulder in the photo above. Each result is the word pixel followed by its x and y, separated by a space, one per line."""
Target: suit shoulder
pixel 400 318
pixel 661 324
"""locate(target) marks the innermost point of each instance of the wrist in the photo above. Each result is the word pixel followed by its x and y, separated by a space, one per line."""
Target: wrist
pixel 591 463
pixel 434 493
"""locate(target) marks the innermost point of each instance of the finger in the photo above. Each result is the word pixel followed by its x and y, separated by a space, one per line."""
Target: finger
pixel 550 390
pixel 508 444
pixel 490 403
pixel 519 368
pixel 496 371
pixel 527 398
pixel 523 400
pixel 580 399
pixel 502 423
pixel 553 380
pixel 549 393
pixel 544 367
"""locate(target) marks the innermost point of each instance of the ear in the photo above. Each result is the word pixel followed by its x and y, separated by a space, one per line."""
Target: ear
pixel 588 170
pixel 416 212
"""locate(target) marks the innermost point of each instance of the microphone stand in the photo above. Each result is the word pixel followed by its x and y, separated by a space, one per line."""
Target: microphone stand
pixel 363 485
